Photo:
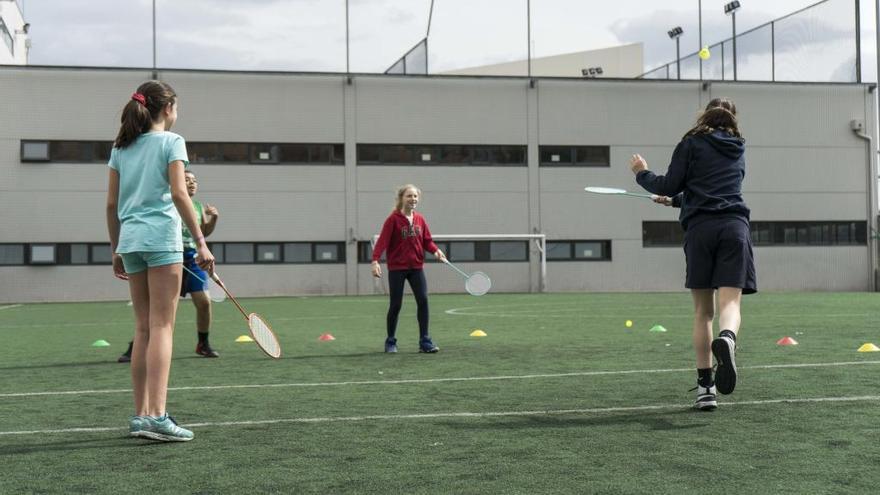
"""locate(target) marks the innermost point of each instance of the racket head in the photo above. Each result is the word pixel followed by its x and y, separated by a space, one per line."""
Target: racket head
pixel 605 190
pixel 215 292
pixel 263 335
pixel 478 284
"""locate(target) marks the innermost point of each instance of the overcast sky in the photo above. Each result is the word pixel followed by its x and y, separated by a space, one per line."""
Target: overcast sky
pixel 309 35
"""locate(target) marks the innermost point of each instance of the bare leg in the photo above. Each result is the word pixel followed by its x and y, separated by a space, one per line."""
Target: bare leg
pixel 203 311
pixel 704 314
pixel 164 284
pixel 729 299
pixel 140 299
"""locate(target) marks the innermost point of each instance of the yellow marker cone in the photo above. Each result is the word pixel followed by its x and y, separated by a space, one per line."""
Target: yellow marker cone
pixel 869 348
pixel 657 328
pixel 478 333
pixel 244 338
pixel 100 343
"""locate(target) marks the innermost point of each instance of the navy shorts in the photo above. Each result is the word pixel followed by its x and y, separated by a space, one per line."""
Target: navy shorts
pixel 189 282
pixel 718 252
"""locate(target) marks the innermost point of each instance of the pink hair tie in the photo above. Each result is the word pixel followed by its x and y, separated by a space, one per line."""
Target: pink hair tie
pixel 138 97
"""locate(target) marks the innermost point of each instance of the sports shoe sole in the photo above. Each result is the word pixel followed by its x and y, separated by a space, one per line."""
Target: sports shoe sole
pixel 430 351
pixel 152 435
pixel 725 374
pixel 708 404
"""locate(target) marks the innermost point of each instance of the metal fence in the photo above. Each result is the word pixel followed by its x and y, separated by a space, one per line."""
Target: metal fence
pixel 820 43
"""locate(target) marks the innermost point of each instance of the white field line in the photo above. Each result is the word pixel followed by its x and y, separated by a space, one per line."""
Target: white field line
pixel 467 415
pixel 433 380
pixel 10 306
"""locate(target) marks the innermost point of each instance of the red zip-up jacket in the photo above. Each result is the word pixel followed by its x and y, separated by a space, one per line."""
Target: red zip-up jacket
pixel 406 245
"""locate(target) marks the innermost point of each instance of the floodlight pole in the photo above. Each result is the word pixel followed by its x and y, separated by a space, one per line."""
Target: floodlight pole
pixel 700 33
pixel 154 39
pixel 733 19
pixel 677 58
pixel 529 37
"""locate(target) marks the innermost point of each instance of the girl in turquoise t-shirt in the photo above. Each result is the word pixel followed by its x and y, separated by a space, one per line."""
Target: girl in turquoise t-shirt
pixel 146 200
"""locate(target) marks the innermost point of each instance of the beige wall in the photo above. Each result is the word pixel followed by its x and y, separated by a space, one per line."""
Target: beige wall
pixel 803 164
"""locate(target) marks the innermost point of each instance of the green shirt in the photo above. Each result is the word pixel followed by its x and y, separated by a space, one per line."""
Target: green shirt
pixel 188 241
pixel 147 216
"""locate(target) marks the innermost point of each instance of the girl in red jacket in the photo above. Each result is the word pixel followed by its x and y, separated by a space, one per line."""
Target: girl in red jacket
pixel 406 237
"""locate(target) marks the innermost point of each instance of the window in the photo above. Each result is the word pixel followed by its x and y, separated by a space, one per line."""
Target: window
pixel 800 233
pixel 269 253
pixel 579 250
pixel 35 151
pixel 42 254
pixel 11 254
pixel 443 154
pixel 662 234
pixel 463 251
pixel 99 254
pixel 278 252
pixel 267 153
pixel 7 38
pixel 575 156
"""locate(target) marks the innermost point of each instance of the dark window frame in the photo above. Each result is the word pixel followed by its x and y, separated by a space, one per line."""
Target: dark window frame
pixel 572 152
pixel 783 233
pixel 467 155
pixel 607 254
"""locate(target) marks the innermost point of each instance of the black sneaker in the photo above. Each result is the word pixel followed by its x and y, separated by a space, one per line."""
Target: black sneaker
pixel 428 347
pixel 126 356
pixel 204 349
pixel 391 346
pixel 705 398
pixel 724 348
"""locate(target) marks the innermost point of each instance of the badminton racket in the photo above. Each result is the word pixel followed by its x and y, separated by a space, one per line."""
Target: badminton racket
pixel 214 291
pixel 261 332
pixel 477 283
pixel 622 192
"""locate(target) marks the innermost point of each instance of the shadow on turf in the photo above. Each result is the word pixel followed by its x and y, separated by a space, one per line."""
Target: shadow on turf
pixel 654 421
pixel 121 441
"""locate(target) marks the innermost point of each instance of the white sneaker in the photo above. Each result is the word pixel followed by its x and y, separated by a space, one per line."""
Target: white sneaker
pixel 705 398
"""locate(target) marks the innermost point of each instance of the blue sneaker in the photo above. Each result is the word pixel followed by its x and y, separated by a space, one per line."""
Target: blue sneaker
pixel 391 346
pixel 164 429
pixel 428 347
pixel 135 425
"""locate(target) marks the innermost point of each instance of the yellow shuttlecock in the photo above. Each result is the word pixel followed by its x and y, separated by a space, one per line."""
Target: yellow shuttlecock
pixel 705 53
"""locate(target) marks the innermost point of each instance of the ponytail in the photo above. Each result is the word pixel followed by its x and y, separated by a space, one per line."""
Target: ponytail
pixel 142 110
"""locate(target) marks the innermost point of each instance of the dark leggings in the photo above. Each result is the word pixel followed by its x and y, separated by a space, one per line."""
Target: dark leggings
pixel 419 286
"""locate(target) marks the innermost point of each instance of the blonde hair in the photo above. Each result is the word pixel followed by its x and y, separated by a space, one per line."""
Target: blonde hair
pixel 401 191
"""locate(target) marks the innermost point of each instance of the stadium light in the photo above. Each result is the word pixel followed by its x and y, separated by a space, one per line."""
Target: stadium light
pixel 675 33
pixel 730 9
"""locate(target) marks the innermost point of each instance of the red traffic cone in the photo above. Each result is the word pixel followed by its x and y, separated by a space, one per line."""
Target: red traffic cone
pixel 786 341
pixel 326 337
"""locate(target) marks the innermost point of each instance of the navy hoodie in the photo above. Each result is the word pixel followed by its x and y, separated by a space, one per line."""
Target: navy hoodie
pixel 704 178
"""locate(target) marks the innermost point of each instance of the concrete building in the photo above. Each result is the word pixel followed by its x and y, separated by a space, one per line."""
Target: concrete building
pixel 303 169
pixel 622 62
pixel 14 40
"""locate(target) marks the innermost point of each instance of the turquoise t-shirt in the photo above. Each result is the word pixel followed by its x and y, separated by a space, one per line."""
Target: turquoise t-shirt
pixel 148 219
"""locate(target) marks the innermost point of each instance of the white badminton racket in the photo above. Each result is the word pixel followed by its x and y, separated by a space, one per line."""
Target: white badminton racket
pixel 214 291
pixel 622 192
pixel 477 283
pixel 261 332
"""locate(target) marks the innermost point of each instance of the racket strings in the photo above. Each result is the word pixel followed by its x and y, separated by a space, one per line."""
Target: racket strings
pixel 263 336
pixel 478 284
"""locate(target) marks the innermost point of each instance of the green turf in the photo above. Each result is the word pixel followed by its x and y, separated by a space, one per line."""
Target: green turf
pixel 342 429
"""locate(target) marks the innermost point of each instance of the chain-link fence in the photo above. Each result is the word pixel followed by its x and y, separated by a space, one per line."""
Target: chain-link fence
pixel 820 43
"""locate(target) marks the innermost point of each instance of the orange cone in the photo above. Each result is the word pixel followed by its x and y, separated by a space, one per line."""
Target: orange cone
pixel 786 341
pixel 326 337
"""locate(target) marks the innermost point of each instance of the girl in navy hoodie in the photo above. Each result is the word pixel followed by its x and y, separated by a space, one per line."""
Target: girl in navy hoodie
pixel 704 179
pixel 406 237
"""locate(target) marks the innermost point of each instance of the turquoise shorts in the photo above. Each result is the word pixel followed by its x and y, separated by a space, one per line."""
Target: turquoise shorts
pixel 141 260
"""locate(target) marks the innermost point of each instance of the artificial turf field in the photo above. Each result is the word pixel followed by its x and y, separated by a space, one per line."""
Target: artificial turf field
pixel 560 397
